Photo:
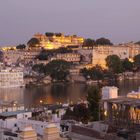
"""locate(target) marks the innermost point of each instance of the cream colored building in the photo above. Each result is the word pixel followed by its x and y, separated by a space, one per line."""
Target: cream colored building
pixel 69 57
pixel 11 78
pixel 55 42
pixel 12 56
pixel 100 53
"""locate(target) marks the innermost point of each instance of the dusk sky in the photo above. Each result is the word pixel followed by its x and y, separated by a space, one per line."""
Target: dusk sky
pixel 118 20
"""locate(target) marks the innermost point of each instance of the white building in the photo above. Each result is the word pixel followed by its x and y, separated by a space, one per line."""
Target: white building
pixel 11 78
pixel 109 92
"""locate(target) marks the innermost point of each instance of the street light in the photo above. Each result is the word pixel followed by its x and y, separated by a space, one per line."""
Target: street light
pixel 41 101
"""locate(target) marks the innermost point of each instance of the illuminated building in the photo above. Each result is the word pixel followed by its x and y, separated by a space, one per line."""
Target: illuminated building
pixel 54 42
pixel 100 53
pixel 69 57
pixel 11 78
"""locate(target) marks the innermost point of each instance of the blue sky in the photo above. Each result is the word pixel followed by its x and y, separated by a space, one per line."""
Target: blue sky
pixel 118 20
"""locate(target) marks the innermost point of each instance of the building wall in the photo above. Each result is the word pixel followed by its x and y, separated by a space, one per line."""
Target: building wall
pixel 69 57
pixel 11 78
pixel 55 42
pixel 123 51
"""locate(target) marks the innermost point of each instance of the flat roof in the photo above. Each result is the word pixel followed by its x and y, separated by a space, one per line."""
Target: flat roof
pixel 12 113
pixel 124 101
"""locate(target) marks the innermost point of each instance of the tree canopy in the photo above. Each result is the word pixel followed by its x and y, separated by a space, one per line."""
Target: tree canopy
pixel 127 65
pixel 58 34
pixel 49 34
pixel 39 68
pixel 33 43
pixel 21 46
pixel 94 73
pixel 103 41
pixel 1 56
pixel 114 64
pixel 44 54
pixel 93 99
pixel 89 42
pixel 137 61
pixel 58 69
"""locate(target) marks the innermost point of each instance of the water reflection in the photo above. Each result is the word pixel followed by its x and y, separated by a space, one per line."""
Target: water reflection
pixel 58 92
pixel 10 94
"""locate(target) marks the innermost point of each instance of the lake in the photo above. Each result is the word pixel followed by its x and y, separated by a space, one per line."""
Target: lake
pixel 58 93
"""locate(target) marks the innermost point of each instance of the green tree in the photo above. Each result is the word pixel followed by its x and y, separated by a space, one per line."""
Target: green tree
pixel 93 99
pixel 33 43
pixel 1 56
pixel 21 46
pixel 49 34
pixel 81 112
pixel 44 55
pixel 103 41
pixel 137 61
pixel 127 65
pixel 89 42
pixel 96 73
pixel 85 72
pixel 39 68
pixel 63 50
pixel 114 64
pixel 58 69
pixel 58 34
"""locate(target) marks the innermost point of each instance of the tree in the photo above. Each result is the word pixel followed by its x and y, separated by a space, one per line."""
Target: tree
pixel 58 34
pixel 1 56
pixel 103 41
pixel 93 99
pixel 137 61
pixel 44 55
pixel 96 73
pixel 89 42
pixel 85 72
pixel 33 43
pixel 127 65
pixel 114 64
pixel 21 46
pixel 81 112
pixel 58 69
pixel 49 34
pixel 39 68
pixel 63 50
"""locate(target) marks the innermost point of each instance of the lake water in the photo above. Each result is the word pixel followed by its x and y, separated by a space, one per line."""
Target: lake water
pixel 58 92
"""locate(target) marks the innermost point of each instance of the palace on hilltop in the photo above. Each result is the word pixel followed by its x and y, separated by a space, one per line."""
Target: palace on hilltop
pixel 55 42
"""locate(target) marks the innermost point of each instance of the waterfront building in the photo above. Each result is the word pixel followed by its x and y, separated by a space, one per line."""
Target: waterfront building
pixel 69 57
pixel 11 78
pixel 14 56
pixel 10 106
pixel 100 53
pixel 109 92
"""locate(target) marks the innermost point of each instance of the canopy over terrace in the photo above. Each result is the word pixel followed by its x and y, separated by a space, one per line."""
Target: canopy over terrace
pixel 122 112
